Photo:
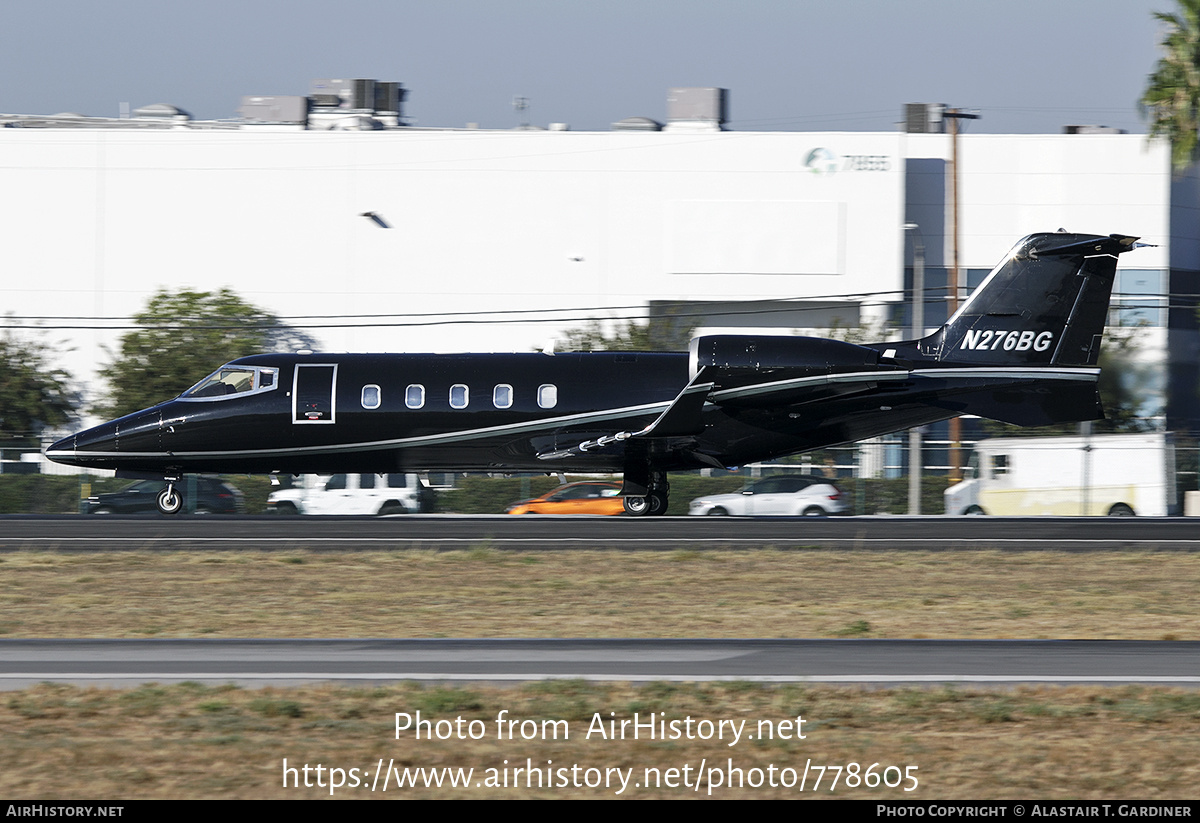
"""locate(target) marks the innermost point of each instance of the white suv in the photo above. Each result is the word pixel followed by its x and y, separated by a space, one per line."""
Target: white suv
pixel 786 494
pixel 351 494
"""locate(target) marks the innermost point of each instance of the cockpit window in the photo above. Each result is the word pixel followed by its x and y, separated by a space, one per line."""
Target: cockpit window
pixel 230 380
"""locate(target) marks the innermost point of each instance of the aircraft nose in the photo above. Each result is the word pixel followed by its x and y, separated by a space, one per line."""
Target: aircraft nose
pixel 62 451
pixel 104 438
pixel 85 447
pixel 137 432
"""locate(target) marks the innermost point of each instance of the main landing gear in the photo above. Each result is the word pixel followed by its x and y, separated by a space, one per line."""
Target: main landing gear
pixel 654 502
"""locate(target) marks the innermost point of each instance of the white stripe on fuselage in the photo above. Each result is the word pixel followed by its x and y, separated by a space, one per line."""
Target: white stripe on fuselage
pixel 603 415
pixel 1011 372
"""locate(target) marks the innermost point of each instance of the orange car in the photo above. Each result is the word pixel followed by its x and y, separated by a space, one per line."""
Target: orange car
pixel 575 498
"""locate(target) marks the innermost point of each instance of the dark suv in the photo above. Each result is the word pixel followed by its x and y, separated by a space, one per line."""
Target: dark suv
pixel 211 496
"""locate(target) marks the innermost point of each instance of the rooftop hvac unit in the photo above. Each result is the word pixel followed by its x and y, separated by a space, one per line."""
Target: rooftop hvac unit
pixel 363 94
pixel 347 94
pixel 924 118
pixel 389 96
pixel 329 92
pixel 274 109
pixel 703 104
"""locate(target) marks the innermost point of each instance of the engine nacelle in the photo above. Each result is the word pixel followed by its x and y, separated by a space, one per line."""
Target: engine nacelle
pixel 758 353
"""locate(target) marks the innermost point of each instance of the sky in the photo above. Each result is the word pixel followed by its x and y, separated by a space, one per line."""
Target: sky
pixel 796 65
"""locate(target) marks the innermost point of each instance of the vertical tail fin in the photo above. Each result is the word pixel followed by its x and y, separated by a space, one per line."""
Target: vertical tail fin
pixel 1044 305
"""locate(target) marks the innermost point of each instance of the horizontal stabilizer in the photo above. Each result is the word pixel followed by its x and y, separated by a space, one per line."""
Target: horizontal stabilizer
pixel 1069 403
pixel 1113 244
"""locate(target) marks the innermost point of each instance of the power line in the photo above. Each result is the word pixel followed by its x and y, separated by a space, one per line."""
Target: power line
pixel 796 303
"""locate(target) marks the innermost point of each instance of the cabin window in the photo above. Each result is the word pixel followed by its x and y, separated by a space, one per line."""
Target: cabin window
pixel 459 396
pixel 414 396
pixel 502 396
pixel 371 397
pixel 547 395
pixel 366 481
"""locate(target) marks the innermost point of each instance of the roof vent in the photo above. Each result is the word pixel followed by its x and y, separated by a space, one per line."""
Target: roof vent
pixel 637 124
pixel 161 111
pixel 1092 130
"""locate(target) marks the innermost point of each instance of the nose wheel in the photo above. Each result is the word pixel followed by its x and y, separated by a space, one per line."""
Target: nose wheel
pixel 170 500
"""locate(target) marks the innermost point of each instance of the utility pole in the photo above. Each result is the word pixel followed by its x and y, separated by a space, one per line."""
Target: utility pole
pixel 916 465
pixel 954 115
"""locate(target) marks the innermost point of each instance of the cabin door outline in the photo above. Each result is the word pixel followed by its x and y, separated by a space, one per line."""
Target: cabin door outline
pixel 314 393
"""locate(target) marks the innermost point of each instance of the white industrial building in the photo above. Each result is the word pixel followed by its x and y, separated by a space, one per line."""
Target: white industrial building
pixel 380 237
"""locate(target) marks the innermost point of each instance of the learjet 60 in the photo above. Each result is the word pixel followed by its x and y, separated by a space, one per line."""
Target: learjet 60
pixel 1022 349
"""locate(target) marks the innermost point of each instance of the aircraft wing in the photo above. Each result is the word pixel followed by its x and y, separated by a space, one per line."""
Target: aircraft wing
pixel 683 417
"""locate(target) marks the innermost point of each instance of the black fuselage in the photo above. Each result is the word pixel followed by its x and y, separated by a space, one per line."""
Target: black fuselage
pixel 385 413
pixel 1023 349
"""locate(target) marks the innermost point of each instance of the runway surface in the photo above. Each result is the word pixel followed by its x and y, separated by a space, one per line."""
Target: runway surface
pixel 79 533
pixel 254 662
pixel 878 662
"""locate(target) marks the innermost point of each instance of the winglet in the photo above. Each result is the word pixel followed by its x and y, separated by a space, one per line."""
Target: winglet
pixel 683 416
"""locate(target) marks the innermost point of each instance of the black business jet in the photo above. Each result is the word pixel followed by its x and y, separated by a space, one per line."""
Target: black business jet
pixel 1022 349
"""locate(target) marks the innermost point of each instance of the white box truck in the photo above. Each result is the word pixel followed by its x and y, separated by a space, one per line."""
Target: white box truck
pixel 1113 474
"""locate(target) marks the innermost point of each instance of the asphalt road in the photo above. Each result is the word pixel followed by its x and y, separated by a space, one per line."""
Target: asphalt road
pixel 78 533
pixel 885 662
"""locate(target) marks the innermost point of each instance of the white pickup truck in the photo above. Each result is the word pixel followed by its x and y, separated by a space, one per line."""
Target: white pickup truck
pixel 353 494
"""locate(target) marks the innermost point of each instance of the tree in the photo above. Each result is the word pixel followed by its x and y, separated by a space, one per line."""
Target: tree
pixel 182 337
pixel 1124 385
pixel 591 336
pixel 33 395
pixel 1172 96
pixel 660 334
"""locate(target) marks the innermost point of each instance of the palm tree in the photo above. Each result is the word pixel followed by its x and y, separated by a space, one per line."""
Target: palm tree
pixel 1172 96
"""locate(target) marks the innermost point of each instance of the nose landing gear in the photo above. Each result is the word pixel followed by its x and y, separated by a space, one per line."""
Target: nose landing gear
pixel 170 500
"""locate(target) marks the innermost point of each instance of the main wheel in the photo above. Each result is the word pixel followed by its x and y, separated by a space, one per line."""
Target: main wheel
pixel 1120 510
pixel 392 507
pixel 973 510
pixel 170 501
pixel 717 511
pixel 658 503
pixel 637 506
pixel 814 511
